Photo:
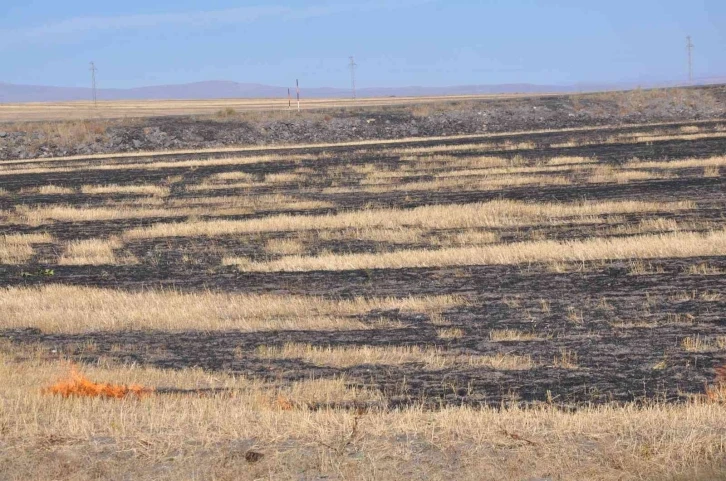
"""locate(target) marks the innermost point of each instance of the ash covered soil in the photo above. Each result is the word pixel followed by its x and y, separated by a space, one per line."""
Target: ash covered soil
pixel 443 118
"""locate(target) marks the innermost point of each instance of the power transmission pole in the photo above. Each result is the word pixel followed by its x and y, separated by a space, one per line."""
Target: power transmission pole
pixel 689 48
pixel 352 66
pixel 93 82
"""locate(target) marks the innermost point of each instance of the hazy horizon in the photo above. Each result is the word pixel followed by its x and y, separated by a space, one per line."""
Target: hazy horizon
pixel 12 93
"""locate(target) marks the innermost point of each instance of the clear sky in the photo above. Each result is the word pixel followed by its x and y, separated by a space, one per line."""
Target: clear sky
pixel 395 43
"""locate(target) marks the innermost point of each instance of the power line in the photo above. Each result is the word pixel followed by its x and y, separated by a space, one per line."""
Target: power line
pixel 93 82
pixel 689 48
pixel 352 66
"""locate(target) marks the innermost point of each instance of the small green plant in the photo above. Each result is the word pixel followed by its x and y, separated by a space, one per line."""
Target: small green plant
pixel 38 273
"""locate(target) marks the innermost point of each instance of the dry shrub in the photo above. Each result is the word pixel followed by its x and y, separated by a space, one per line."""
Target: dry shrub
pixel 79 385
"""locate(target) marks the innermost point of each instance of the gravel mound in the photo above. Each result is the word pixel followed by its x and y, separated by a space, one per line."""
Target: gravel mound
pixel 49 139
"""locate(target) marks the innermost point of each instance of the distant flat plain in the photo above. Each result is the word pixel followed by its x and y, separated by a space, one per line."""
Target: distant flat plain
pixel 76 110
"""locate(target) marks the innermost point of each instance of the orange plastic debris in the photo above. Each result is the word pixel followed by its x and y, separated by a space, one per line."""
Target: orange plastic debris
pixel 284 404
pixel 720 374
pixel 717 392
pixel 79 385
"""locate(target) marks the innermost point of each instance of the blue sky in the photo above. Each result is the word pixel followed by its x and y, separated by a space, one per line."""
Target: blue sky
pixel 395 43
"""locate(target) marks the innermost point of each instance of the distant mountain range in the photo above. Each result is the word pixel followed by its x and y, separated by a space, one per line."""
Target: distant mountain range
pixel 225 89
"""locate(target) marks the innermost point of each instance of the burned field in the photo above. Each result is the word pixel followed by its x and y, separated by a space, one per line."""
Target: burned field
pixel 579 269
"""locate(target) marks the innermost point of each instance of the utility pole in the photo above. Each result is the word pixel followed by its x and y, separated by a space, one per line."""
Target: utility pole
pixel 352 66
pixel 689 48
pixel 297 89
pixel 93 83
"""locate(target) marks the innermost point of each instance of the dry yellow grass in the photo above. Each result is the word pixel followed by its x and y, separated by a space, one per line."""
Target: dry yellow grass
pixel 493 173
pixel 284 246
pixel 566 359
pixel 241 180
pixel 690 129
pixel 90 252
pixel 476 146
pixel 217 205
pixel 704 344
pixel 206 186
pixel 148 207
pixel 15 253
pixel 401 235
pixel 282 178
pixel 717 161
pixel 570 161
pixel 637 267
pixel 680 244
pixel 444 162
pixel 705 269
pixel 15 168
pixel 18 248
pixel 656 138
pixel 47 190
pixel 466 183
pixel 58 308
pixel 656 224
pixel 504 335
pixel 639 138
pixel 41 214
pixel 467 238
pixel 175 436
pixel 609 175
pixel 148 189
pixel 627 138
pixel 237 176
pixel 506 172
pixel 713 171
pixel 634 324
pixel 488 214
pixel 489 179
pixel 449 333
pixel 256 393
pixel 430 357
pixel 476 171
